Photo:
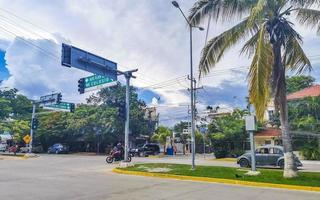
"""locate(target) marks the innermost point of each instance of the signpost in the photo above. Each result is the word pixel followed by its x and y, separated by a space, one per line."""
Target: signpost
pixel 78 58
pixel 96 82
pixel 251 127
pixel 51 99
pixel 46 100
pixel 62 106
pixel 27 139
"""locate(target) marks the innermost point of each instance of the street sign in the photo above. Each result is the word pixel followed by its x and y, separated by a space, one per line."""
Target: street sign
pixel 96 82
pixel 62 106
pixel 50 99
pixel 203 130
pixel 78 58
pixel 250 123
pixel 27 139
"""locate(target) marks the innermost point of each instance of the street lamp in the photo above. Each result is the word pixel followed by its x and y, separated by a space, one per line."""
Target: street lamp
pixel 175 4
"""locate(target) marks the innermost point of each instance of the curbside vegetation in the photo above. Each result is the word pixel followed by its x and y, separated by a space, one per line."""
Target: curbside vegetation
pixel 217 180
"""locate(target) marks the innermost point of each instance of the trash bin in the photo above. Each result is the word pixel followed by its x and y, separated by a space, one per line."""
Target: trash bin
pixel 170 151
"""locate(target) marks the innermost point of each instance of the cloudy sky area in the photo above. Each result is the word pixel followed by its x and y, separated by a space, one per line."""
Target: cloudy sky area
pixel 149 35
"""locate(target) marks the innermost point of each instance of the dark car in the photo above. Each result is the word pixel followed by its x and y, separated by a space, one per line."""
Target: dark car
pixel 266 156
pixel 146 150
pixel 58 148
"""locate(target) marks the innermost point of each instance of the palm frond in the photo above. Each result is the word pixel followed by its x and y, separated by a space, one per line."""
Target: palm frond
pixel 309 17
pixel 294 57
pixel 250 46
pixel 219 9
pixel 260 74
pixel 257 12
pixel 217 46
pixel 305 3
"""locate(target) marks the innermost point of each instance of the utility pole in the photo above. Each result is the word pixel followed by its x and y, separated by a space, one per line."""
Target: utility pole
pixel 31 125
pixel 127 75
pixel 191 26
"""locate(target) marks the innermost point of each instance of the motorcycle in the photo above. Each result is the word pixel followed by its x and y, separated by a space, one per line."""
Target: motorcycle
pixel 112 158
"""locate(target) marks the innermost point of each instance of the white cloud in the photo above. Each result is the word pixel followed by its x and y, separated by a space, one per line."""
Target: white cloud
pixel 149 35
pixel 36 72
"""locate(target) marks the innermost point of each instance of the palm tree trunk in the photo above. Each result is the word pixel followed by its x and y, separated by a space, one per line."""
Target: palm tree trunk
pixel 279 84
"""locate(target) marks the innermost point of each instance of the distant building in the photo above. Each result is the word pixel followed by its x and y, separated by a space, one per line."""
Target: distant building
pixel 313 91
pixel 268 136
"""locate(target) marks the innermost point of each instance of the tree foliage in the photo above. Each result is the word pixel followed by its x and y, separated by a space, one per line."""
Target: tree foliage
pixel 296 83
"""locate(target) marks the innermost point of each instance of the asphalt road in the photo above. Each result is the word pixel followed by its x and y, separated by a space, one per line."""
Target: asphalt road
pixel 74 177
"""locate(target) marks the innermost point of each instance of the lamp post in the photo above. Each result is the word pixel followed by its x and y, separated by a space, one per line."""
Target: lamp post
pixel 175 4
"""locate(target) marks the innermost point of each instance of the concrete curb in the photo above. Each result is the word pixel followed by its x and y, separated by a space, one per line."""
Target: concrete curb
pixel 218 180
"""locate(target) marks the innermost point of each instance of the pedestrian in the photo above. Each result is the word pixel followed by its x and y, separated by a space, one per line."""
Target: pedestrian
pixel 88 147
pixel 175 149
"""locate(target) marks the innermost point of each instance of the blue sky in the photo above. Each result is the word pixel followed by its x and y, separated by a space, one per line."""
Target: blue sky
pixel 4 74
pixel 149 35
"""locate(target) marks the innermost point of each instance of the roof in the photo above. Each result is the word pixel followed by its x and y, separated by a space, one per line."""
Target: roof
pixel 270 132
pixel 313 91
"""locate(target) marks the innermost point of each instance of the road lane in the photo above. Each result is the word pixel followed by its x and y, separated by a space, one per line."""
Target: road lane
pixel 89 177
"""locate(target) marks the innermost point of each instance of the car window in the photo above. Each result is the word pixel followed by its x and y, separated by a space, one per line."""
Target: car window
pixel 262 151
pixel 275 151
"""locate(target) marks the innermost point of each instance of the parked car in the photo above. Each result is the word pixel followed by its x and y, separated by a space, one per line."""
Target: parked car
pixel 146 150
pixel 58 148
pixel 266 156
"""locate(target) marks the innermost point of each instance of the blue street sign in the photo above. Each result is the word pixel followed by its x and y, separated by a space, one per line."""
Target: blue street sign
pixel 78 58
pixel 203 130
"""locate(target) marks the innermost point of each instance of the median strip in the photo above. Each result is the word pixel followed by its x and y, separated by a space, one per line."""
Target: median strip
pixel 183 172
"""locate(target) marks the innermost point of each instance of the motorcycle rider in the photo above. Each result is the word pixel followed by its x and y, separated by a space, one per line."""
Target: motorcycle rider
pixel 118 151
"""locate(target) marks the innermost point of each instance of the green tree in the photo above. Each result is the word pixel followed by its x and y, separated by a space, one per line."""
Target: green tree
pixel 296 83
pixel 273 45
pixel 227 134
pixel 161 135
pixel 113 97
pixel 5 108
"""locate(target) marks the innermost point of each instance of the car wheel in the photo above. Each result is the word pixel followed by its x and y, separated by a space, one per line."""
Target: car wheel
pixel 57 152
pixel 244 163
pixel 281 164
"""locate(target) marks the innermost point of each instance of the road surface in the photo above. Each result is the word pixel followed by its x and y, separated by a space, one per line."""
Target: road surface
pixel 74 177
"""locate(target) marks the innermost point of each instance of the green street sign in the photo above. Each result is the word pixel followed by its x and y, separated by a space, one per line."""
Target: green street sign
pixel 96 80
pixel 62 106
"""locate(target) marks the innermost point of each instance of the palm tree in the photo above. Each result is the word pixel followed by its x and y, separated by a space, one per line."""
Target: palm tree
pixel 271 42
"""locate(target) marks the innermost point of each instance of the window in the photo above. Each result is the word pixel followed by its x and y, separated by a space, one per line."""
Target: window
pixel 267 142
pixel 271 115
pixel 262 151
pixel 275 151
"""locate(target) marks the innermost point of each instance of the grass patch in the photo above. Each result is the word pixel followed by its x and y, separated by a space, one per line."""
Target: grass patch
pixel 266 176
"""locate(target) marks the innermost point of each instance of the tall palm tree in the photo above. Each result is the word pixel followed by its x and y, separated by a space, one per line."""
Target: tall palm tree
pixel 271 42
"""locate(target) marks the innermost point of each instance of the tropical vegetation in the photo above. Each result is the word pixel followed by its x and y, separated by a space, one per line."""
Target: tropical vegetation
pixel 272 44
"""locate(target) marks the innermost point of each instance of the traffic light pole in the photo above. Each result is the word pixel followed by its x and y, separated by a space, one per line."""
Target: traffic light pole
pixel 127 124
pixel 127 75
pixel 31 129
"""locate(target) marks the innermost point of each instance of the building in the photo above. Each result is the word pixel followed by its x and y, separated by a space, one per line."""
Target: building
pixel 268 136
pixel 313 91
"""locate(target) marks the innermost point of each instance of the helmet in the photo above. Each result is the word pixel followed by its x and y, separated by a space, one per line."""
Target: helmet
pixel 119 144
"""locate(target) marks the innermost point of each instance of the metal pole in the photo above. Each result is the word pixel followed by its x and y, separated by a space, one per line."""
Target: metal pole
pixel 253 156
pixel 126 134
pixel 192 103
pixel 31 127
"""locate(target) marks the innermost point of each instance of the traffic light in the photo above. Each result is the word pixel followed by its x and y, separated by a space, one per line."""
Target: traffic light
pixel 122 111
pixel 72 107
pixel 59 98
pixel 35 123
pixel 81 85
